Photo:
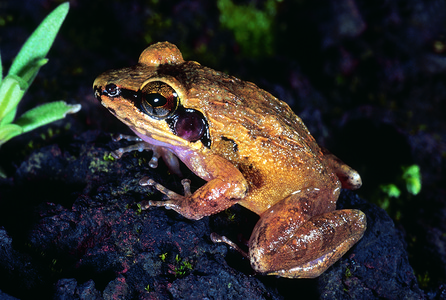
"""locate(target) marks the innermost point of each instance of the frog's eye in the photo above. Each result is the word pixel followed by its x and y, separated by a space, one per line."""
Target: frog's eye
pixel 112 90
pixel 189 124
pixel 158 99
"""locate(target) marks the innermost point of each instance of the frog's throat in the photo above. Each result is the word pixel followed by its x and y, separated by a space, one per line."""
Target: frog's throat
pixel 160 138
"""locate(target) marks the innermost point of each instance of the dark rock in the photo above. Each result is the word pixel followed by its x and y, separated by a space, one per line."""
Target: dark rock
pixel 377 267
pixel 101 244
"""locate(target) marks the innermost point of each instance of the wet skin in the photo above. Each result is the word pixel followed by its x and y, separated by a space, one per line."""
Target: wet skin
pixel 250 148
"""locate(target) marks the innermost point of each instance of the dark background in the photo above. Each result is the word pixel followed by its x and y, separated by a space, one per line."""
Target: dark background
pixel 366 77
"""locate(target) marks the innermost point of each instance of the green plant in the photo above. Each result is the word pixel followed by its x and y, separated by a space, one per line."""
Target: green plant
pixel 182 268
pixel 23 70
pixel 138 209
pixel 108 157
pixel 348 273
pixel 163 256
pixel 252 27
pixel 412 178
pixel 230 215
pixel 178 267
pixel 424 280
pixel 407 184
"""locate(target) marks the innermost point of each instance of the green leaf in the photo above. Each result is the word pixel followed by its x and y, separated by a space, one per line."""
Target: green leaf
pixel 11 92
pixel 46 113
pixel 9 131
pixel 30 71
pixel 9 117
pixel 38 44
pixel 1 69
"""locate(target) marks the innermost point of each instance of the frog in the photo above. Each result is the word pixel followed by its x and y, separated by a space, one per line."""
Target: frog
pixel 249 147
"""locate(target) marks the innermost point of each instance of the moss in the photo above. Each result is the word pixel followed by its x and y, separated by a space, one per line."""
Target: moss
pixel 252 27
pixel 99 165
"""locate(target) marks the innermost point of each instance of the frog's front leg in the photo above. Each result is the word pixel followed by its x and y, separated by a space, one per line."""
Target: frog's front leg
pixel 225 187
pixel 288 241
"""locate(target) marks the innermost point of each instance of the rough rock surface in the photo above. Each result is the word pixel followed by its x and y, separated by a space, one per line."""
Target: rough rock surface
pixel 77 233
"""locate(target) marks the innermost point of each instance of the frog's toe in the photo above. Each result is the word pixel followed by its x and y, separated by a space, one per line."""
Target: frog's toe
pixel 167 204
pixel 216 238
pixel 146 204
pixel 170 194
pixel 186 187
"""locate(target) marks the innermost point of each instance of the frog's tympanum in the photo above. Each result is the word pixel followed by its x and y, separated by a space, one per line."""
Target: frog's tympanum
pixel 250 148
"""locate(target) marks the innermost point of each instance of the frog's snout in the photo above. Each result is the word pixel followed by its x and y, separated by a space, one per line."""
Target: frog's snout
pixel 97 92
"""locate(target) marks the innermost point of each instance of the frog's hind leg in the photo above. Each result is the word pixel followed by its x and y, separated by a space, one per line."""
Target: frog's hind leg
pixel 282 244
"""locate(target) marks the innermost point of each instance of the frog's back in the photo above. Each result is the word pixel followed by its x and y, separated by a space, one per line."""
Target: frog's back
pixel 239 108
pixel 259 133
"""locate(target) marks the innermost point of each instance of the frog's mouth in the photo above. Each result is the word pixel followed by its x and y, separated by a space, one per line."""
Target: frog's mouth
pixel 158 134
pixel 160 138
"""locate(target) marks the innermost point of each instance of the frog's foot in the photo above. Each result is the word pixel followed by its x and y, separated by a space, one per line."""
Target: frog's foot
pixel 175 199
pixel 222 239
pixel 169 158
pixel 315 267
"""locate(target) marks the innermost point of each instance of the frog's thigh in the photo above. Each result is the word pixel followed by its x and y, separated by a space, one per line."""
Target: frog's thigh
pixel 304 250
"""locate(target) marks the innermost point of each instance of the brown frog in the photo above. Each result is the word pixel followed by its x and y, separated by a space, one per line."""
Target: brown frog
pixel 250 148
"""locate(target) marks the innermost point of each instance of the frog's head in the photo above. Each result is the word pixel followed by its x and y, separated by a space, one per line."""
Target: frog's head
pixel 149 100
